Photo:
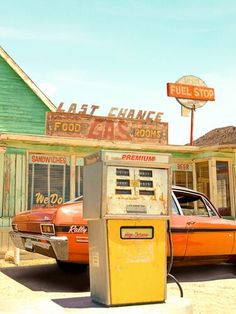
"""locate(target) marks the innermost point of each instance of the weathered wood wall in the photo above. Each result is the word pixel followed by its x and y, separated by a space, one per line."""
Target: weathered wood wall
pixel 12 186
pixel 12 193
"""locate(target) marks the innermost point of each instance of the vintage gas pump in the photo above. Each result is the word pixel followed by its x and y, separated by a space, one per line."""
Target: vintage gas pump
pixel 126 203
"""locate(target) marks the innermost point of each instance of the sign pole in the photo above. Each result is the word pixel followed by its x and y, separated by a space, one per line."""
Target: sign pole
pixel 192 125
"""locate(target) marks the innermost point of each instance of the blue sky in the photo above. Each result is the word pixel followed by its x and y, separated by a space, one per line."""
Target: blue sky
pixel 122 54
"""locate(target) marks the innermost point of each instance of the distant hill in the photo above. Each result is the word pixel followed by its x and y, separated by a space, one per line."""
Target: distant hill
pixel 220 136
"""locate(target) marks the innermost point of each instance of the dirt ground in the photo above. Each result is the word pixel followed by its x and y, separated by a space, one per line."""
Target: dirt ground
pixel 207 297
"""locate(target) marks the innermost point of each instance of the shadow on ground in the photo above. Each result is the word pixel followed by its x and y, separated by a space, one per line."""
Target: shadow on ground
pixel 78 303
pixel 204 272
pixel 50 278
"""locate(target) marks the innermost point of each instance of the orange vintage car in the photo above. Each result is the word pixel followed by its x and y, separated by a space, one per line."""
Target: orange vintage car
pixel 199 234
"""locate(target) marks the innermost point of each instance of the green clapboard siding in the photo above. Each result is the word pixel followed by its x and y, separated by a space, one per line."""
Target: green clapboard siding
pixel 21 110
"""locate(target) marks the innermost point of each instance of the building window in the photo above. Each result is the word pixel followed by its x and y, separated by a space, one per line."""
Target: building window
pixel 48 180
pixel 202 177
pixel 223 192
pixel 182 174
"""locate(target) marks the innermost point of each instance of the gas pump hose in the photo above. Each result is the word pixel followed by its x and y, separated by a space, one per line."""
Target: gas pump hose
pixel 171 260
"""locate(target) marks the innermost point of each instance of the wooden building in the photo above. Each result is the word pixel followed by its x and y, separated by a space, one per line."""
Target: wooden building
pixel 38 169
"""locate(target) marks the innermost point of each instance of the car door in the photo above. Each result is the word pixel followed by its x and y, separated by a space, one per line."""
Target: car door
pixel 178 224
pixel 208 235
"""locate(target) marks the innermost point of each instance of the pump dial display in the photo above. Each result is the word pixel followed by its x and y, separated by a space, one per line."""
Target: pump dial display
pixel 145 173
pixel 134 190
pixel 122 172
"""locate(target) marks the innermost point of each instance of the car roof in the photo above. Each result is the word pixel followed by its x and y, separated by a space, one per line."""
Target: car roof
pixel 184 189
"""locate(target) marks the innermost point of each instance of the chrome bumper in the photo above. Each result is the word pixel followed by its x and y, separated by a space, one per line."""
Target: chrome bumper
pixel 52 246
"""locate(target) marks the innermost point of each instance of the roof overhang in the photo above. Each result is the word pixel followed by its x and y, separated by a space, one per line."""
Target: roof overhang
pixel 75 142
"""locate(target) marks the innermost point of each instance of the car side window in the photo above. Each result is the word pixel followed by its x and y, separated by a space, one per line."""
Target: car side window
pixel 175 210
pixel 191 204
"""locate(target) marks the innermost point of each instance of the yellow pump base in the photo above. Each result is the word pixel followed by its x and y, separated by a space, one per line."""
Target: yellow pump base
pixel 128 261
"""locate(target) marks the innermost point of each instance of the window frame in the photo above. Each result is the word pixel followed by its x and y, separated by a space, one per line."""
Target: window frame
pixel 30 190
pixel 187 164
pixel 72 161
pixel 213 180
pixel 208 205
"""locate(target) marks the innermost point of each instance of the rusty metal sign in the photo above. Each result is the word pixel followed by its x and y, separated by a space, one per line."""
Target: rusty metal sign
pixel 105 128
pixel 190 91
